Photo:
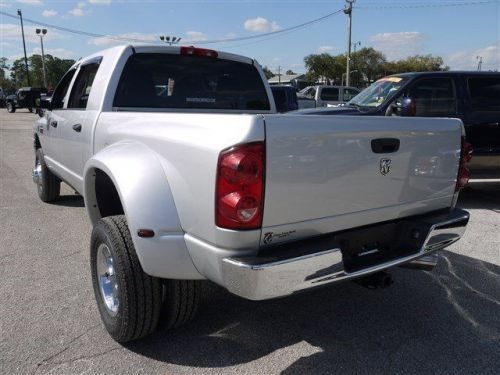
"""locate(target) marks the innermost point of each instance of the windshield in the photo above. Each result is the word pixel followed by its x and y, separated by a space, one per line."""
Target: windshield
pixel 378 93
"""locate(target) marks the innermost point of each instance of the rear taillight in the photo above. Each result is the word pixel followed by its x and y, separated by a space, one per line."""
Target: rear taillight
pixel 199 52
pixel 239 187
pixel 463 171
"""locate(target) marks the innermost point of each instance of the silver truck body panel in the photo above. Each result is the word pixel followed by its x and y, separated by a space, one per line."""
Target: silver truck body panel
pixel 323 176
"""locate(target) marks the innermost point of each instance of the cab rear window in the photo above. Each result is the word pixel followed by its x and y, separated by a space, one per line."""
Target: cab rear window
pixel 179 81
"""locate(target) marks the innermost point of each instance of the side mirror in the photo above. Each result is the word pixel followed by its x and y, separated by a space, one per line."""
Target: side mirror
pixel 407 107
pixel 45 104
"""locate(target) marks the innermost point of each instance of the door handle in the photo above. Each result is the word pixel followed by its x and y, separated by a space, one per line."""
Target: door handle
pixel 77 128
pixel 53 124
pixel 385 145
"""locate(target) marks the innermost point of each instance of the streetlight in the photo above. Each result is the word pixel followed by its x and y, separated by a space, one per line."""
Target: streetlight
pixel 41 33
pixel 479 62
pixel 170 40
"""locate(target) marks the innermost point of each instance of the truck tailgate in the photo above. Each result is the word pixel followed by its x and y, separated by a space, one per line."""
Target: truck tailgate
pixel 324 174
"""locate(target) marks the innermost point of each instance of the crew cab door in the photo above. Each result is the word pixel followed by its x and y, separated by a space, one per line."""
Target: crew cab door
pixel 49 133
pixel 482 122
pixel 75 143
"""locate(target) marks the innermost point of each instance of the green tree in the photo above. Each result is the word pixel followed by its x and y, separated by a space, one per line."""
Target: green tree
pixel 5 82
pixel 268 72
pixel 324 67
pixel 417 63
pixel 290 72
pixel 18 73
pixel 369 63
pixel 55 67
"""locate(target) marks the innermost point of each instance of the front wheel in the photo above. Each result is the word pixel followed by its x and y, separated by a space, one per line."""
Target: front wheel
pixel 10 107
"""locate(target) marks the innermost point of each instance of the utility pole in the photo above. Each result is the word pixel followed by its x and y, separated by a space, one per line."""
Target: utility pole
pixel 348 11
pixel 279 74
pixel 479 62
pixel 20 14
pixel 354 45
pixel 41 33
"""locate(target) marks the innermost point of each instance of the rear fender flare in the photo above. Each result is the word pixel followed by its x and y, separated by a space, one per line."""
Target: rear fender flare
pixel 148 203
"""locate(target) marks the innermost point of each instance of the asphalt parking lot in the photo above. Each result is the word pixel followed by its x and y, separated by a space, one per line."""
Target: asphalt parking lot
pixel 441 322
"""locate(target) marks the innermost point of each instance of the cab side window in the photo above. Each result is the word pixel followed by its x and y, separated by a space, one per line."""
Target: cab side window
pixel 82 86
pixel 484 94
pixel 434 97
pixel 61 90
pixel 330 93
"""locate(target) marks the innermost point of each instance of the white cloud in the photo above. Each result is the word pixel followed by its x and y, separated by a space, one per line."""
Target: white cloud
pixel 77 12
pixel 399 45
pixel 50 13
pixel 30 2
pixel 57 52
pixel 100 2
pixel 194 36
pixel 467 60
pixel 10 31
pixel 261 25
pixel 110 41
pixel 325 49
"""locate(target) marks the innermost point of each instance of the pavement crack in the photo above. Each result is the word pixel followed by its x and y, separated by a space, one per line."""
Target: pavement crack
pixel 88 356
pixel 67 346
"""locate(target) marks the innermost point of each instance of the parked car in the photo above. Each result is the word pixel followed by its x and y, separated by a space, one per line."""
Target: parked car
pixel 324 95
pixel 285 98
pixel 25 97
pixel 473 97
pixel 206 181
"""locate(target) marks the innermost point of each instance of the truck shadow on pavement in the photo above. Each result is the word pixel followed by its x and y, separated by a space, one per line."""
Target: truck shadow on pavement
pixel 72 200
pixel 482 195
pixel 444 321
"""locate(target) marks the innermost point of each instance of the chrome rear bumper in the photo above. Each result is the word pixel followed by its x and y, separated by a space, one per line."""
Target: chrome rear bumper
pixel 260 278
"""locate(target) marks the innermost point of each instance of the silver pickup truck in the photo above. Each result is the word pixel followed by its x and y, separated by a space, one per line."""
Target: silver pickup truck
pixel 188 173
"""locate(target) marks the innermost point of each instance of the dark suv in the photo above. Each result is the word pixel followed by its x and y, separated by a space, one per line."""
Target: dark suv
pixel 25 97
pixel 473 97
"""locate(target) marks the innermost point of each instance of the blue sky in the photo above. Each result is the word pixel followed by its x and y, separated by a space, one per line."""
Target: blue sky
pixel 399 28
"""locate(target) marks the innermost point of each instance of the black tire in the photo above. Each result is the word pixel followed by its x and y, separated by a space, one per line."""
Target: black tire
pixel 30 109
pixel 140 295
pixel 181 299
pixel 48 185
pixel 11 108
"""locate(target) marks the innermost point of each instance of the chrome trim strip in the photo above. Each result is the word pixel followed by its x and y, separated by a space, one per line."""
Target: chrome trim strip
pixel 284 277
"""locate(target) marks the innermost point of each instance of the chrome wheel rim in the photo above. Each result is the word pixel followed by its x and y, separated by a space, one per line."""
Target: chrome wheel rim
pixel 108 284
pixel 37 174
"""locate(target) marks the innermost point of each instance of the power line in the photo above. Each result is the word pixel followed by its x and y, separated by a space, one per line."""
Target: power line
pixel 226 40
pixel 259 36
pixel 429 5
